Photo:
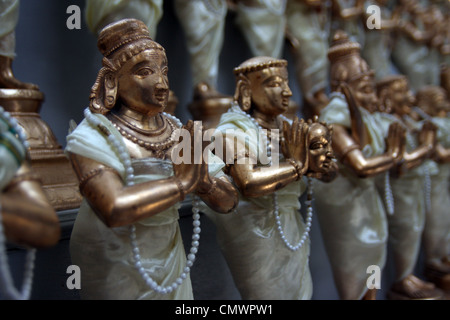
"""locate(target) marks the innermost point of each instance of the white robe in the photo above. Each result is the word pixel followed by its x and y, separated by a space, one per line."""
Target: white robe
pixel 351 212
pixel 101 12
pixel 407 222
pixel 104 254
pixel 261 264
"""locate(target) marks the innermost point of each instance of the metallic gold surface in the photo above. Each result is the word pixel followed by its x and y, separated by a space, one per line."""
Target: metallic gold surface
pixel 28 217
pixel 47 157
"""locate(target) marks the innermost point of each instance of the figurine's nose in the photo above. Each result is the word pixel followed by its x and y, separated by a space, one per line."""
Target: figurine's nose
pixel 287 91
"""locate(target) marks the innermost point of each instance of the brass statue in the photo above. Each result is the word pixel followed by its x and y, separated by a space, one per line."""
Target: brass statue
pixel 351 213
pixel 27 218
pixel 308 35
pixel 409 189
pixel 434 105
pixel 126 237
pixel 266 241
pixel 23 101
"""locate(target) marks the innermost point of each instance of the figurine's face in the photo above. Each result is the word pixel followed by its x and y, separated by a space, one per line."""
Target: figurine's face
pixel 320 151
pixel 437 106
pixel 270 90
pixel 365 93
pixel 143 84
pixel 401 96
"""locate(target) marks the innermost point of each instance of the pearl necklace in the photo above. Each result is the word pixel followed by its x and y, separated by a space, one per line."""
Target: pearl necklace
pixel 235 108
pixel 6 281
pixel 388 196
pixel 129 180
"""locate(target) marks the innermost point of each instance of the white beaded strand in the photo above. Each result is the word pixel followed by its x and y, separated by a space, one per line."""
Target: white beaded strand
pixel 388 195
pixel 427 188
pixel 7 287
pixel 309 214
pixel 126 161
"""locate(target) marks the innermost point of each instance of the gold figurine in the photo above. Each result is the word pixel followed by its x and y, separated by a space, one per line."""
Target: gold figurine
pixel 126 237
pixel 350 210
pixel 409 189
pixel 266 241
pixel 434 105
pixel 27 218
pixel 23 101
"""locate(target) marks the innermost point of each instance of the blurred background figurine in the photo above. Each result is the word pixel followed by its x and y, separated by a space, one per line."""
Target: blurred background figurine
pixel 100 13
pixel 27 219
pixel 435 106
pixel 410 52
pixel 9 16
pixel 379 40
pixel 126 236
pixel 410 189
pixel 308 34
pixel 351 213
pixel 266 241
pixel 347 15
pixel 262 23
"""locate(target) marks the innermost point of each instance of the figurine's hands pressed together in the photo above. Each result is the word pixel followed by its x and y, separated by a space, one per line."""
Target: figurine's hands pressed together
pixel 427 136
pixel 190 172
pixel 294 143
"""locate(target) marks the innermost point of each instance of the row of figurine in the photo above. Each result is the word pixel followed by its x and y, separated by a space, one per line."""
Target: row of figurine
pixel 411 36
pixel 373 165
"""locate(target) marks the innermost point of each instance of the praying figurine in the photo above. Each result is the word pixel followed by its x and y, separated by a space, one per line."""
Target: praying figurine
pixel 350 210
pixel 434 105
pixel 126 236
pixel 266 241
pixel 27 218
pixel 409 185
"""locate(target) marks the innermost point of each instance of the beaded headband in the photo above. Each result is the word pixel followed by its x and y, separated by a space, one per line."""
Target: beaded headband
pixel 253 65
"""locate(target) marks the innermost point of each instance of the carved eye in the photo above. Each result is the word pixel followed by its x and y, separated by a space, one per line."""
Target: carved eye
pixel 317 145
pixel 144 72
pixel 274 84
pixel 165 71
